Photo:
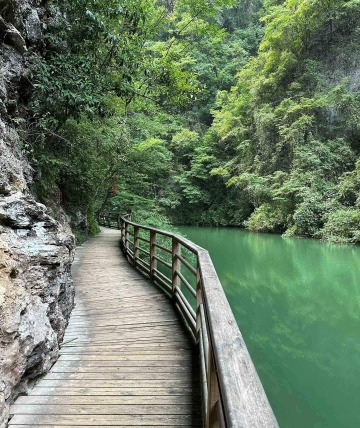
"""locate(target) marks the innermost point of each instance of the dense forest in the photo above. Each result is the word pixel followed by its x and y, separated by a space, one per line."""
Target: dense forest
pixel 235 113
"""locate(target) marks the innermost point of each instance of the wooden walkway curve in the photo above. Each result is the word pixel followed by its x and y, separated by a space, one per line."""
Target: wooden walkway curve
pixel 129 360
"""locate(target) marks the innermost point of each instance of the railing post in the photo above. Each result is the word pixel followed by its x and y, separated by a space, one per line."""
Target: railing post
pixel 199 300
pixel 122 235
pixel 153 261
pixel 136 244
pixel 215 418
pixel 126 237
pixel 176 264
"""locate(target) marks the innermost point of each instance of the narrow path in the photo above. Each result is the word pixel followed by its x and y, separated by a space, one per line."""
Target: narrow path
pixel 130 361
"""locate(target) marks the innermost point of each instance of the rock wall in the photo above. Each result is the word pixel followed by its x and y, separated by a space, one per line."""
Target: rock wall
pixel 36 251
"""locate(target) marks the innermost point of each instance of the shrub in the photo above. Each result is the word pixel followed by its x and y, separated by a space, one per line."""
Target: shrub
pixel 342 226
pixel 267 218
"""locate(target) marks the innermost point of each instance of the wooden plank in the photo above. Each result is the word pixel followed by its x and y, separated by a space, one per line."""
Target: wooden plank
pixel 105 420
pixel 101 409
pixel 146 328
pixel 138 376
pixel 126 296
pixel 97 304
pixel 114 307
pixel 163 331
pixel 122 357
pixel 134 347
pixel 91 340
pixel 113 383
pixel 123 363
pixel 93 400
pixel 119 329
pixel 105 313
pixel 122 321
pixel 149 336
pixel 138 341
pixel 126 350
pixel 97 426
pixel 123 369
pixel 112 391
pixel 128 326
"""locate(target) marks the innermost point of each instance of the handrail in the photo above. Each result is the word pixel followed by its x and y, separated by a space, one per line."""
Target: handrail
pixel 233 396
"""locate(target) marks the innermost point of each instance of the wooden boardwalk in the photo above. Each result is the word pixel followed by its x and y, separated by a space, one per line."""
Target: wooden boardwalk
pixel 130 361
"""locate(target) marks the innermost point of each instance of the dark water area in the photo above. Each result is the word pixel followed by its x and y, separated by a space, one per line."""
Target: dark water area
pixel 297 303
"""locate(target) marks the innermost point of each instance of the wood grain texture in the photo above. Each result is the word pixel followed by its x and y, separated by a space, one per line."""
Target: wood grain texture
pixel 126 358
pixel 105 420
pixel 101 409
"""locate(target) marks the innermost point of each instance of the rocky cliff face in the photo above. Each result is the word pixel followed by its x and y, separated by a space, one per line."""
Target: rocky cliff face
pixel 36 251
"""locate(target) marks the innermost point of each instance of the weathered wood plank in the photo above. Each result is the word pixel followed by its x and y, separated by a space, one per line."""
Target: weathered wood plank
pixel 125 310
pixel 143 369
pixel 139 341
pixel 125 350
pixel 101 409
pixel 121 322
pixel 128 350
pixel 95 426
pixel 112 383
pixel 124 363
pixel 137 376
pixel 112 391
pixel 151 348
pixel 107 334
pixel 93 400
pixel 162 326
pixel 105 420
pixel 123 357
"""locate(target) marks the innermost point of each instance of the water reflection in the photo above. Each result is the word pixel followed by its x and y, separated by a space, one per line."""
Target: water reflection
pixel 297 303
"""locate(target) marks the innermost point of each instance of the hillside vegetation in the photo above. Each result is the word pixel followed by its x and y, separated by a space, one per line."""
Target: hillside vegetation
pixel 209 113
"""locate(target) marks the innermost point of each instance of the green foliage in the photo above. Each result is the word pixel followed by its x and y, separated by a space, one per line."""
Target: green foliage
pixel 144 210
pixel 266 218
pixel 289 126
pixel 107 92
pixel 342 226
pixel 215 113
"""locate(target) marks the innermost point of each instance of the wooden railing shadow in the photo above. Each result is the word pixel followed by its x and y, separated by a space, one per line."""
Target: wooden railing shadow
pixel 232 394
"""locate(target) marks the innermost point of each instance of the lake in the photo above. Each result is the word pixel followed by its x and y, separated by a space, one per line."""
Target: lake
pixel 297 303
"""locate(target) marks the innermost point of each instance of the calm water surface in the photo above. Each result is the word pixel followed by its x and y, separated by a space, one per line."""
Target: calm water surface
pixel 297 303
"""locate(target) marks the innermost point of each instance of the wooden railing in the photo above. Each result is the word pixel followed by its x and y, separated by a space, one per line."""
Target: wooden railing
pixel 232 393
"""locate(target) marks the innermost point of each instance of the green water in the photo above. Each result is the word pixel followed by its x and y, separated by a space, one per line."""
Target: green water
pixel 297 303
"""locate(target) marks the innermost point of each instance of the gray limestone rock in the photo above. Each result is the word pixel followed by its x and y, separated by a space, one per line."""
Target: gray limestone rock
pixel 12 36
pixel 33 27
pixel 36 251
